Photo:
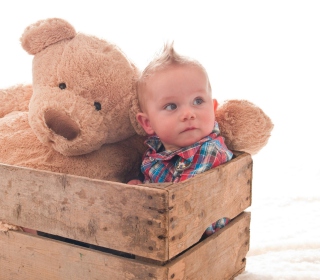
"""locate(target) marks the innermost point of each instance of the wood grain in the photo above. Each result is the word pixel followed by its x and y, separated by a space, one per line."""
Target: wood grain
pixel 224 191
pixel 153 221
pixel 113 215
pixel 221 256
pixel 28 257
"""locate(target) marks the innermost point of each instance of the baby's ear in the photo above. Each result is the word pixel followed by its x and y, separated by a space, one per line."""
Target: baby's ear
pixel 144 121
pixel 133 111
pixel 215 104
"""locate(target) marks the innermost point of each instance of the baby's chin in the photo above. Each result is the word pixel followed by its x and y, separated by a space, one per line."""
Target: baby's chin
pixel 190 142
pixel 192 137
pixel 189 138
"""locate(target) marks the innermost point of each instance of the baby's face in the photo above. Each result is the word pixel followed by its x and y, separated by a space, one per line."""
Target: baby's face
pixel 179 106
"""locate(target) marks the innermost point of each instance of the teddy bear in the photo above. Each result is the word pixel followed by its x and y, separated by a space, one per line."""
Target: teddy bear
pixel 79 115
pixel 74 118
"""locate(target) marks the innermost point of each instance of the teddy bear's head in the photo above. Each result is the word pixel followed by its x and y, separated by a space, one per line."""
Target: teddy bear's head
pixel 82 87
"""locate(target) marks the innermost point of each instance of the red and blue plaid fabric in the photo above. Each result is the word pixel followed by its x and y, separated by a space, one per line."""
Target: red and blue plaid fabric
pixel 166 166
pixel 216 226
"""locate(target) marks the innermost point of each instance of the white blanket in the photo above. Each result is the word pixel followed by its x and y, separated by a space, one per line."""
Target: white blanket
pixel 285 224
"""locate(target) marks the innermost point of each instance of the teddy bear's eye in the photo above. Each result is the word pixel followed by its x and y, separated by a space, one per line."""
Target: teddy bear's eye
pixel 62 86
pixel 97 105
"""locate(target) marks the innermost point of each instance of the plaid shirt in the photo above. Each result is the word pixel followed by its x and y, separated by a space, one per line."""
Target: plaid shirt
pixel 166 166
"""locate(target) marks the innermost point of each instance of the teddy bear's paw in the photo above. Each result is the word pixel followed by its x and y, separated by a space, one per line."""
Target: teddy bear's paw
pixel 15 99
pixel 244 126
pixel 43 33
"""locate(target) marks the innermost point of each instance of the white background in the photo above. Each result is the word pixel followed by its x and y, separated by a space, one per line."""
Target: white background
pixel 267 52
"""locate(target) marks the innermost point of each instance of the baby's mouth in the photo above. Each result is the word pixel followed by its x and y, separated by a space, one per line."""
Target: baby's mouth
pixel 189 128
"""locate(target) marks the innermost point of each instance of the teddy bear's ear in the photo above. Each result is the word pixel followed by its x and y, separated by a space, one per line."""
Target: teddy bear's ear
pixel 44 33
pixel 134 109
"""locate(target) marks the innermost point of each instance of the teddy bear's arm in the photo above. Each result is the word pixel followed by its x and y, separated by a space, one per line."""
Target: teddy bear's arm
pixel 15 98
pixel 244 126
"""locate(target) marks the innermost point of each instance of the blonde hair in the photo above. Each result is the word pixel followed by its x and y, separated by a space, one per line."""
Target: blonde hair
pixel 168 57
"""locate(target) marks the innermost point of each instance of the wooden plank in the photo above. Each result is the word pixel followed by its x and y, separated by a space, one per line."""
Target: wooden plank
pixel 221 256
pixel 224 191
pixel 28 257
pixel 127 218
pixel 155 221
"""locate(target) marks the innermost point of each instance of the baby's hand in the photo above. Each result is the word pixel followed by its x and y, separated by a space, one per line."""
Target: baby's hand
pixel 134 182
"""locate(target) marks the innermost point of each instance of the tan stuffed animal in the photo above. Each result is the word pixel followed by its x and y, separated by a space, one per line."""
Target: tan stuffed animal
pixel 75 117
pixel 78 116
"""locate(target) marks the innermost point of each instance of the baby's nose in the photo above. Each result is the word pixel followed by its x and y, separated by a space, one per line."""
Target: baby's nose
pixel 188 114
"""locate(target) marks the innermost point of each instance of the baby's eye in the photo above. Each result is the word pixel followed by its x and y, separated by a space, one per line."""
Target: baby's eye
pixel 198 101
pixel 170 107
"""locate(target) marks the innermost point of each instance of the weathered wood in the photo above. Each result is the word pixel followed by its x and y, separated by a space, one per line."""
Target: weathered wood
pixel 154 221
pixel 114 215
pixel 224 191
pixel 28 257
pixel 221 256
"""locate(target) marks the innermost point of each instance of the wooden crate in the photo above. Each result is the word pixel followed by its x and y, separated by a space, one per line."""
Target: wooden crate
pixel 150 231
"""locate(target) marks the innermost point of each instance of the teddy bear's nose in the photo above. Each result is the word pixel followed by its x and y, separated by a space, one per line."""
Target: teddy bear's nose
pixel 61 124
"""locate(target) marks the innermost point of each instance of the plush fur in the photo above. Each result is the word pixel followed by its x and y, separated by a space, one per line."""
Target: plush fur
pixel 78 116
pixel 74 118
pixel 244 126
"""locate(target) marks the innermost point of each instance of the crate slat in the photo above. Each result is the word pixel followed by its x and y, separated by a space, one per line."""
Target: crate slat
pixel 154 221
pixel 108 214
pixel 220 257
pixel 29 257
pixel 224 191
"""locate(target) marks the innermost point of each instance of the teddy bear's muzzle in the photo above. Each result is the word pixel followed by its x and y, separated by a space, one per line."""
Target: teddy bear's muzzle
pixel 61 124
